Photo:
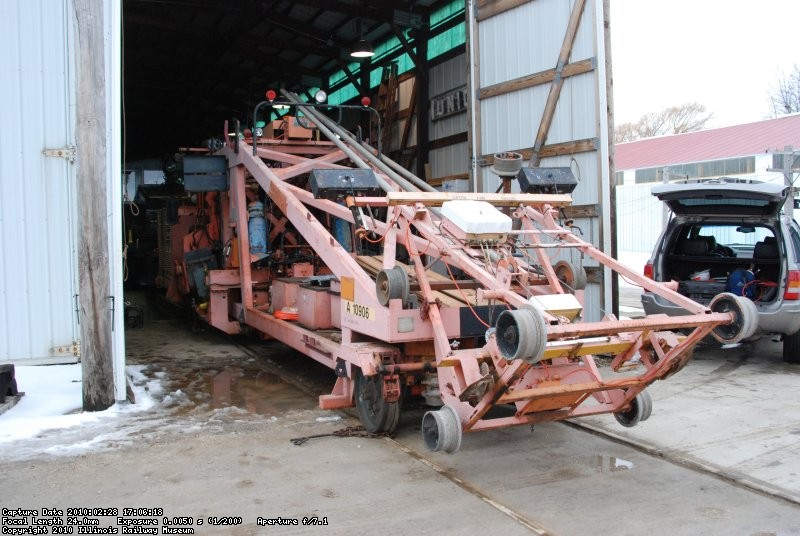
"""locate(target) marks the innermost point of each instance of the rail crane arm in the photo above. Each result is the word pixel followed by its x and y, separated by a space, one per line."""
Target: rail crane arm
pixel 457 298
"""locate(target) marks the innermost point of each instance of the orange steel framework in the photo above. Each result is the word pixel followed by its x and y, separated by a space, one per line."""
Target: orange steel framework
pixel 494 336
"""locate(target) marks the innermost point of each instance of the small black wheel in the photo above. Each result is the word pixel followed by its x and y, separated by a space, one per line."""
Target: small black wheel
pixel 571 276
pixel 640 410
pixel 377 415
pixel 791 348
pixel 441 430
pixel 745 320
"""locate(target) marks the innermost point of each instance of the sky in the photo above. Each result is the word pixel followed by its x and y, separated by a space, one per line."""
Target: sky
pixel 723 54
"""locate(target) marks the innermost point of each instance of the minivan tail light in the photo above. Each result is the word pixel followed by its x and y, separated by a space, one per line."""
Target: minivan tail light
pixel 792 286
pixel 648 271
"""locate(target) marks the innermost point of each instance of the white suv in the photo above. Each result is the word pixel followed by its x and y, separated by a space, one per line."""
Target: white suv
pixel 730 236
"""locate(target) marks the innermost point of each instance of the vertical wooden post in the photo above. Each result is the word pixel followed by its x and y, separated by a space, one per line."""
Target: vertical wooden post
pixel 93 262
pixel 364 119
pixel 473 88
pixel 605 5
pixel 422 105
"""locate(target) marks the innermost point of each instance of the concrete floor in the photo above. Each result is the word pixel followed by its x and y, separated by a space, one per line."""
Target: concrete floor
pixel 222 449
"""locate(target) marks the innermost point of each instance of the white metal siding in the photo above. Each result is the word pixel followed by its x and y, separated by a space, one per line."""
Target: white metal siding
pixel 450 160
pixel 527 40
pixel 37 193
pixel 453 159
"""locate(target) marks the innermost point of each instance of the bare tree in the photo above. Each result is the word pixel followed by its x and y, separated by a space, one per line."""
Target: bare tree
pixel 626 132
pixel 784 98
pixel 688 117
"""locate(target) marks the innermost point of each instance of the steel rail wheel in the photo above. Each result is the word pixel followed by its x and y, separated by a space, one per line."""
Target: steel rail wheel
pixel 745 320
pixel 521 334
pixel 391 284
pixel 570 275
pixel 640 410
pixel 441 430
pixel 377 415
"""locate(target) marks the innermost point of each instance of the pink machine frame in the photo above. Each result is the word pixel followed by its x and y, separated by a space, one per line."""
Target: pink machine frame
pixel 398 343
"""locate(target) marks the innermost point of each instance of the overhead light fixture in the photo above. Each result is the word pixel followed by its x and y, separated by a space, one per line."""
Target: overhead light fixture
pixel 362 49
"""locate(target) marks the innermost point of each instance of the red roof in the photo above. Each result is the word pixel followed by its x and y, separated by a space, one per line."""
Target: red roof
pixel 714 144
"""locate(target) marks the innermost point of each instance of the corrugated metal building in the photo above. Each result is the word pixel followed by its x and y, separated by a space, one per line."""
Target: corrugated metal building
pixel 499 92
pixel 515 48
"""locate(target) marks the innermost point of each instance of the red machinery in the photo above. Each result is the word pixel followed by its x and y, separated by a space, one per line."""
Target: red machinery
pixel 493 336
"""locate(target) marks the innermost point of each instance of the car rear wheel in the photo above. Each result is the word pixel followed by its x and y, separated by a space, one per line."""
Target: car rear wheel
pixel 791 348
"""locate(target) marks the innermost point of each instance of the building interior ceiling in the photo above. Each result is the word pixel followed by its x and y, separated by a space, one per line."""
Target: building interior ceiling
pixel 188 65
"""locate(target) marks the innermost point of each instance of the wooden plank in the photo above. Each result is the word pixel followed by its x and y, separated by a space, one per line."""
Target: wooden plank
pixel 491 8
pixel 556 149
pixel 558 82
pixel 411 108
pixel 352 79
pixel 582 211
pixel 438 181
pixel 502 200
pixel 537 79
pixel 447 141
pixel 439 143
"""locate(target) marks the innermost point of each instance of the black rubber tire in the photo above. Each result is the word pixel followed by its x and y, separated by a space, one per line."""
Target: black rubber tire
pixel 791 348
pixel 376 415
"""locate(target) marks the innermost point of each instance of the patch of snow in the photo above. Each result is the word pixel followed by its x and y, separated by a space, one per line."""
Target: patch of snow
pixel 331 418
pixel 53 398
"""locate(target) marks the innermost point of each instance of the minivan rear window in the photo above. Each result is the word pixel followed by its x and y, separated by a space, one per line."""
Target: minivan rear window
pixel 728 201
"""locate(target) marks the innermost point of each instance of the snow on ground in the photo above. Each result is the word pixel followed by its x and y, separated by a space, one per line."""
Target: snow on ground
pixel 52 401
pixel 49 420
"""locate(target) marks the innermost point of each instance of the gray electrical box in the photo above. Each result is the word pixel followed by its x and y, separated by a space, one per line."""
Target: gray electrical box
pixel 339 183
pixel 205 173
pixel 546 180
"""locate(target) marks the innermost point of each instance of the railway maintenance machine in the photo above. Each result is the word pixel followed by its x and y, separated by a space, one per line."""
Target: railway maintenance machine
pixel 306 234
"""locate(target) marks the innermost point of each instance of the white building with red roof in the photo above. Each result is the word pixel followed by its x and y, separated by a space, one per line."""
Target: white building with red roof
pixel 741 151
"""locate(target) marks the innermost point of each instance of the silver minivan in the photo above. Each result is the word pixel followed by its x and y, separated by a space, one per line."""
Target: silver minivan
pixel 730 236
